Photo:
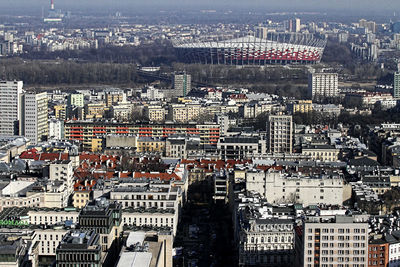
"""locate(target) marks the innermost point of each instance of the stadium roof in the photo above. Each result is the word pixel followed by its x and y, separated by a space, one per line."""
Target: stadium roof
pixel 251 41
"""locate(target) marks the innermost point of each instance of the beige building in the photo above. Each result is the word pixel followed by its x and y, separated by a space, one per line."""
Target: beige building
pixel 60 111
pixel 252 110
pixel 95 110
pixel 48 240
pixel 184 112
pixel 300 106
pixel 150 144
pixel 155 113
pixel 114 97
pixel 336 240
pixel 321 152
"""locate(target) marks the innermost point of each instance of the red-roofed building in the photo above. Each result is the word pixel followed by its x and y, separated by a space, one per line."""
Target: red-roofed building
pixel 83 192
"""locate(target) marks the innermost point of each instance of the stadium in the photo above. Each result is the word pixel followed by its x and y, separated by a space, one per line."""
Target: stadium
pixel 285 48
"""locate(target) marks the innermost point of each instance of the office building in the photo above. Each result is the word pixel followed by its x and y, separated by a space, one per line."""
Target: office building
pixel 79 248
pixel 14 251
pixel 280 134
pixel 323 85
pixel 104 218
pixel 76 100
pixel 182 84
pixel 35 116
pixel 10 107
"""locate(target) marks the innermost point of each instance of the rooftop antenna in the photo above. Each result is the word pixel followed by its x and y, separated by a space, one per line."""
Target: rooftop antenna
pixel 52 5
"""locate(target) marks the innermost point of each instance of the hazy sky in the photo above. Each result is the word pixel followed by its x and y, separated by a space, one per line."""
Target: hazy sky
pixel 304 4
pixel 348 6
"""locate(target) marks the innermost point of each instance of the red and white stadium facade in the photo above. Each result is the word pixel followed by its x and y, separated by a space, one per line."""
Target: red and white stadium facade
pixel 251 50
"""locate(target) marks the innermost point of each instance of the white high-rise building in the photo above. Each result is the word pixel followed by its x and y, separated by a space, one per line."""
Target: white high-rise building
pixel 10 107
pixel 280 134
pixel 323 85
pixel 297 25
pixel 35 116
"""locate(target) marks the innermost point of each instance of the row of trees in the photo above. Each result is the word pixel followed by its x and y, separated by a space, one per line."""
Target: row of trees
pixel 152 54
pixel 67 72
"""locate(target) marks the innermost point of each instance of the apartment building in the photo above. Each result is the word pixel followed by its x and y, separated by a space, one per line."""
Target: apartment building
pixel 300 106
pixel 321 152
pixel 76 100
pixel 280 134
pixel 157 218
pixel 62 170
pixel 323 85
pixel 150 144
pixel 114 97
pixel 184 112
pixel 60 111
pixel 95 110
pixel 35 116
pixel 86 132
pixel 10 107
pixel 155 113
pixel 241 146
pixel 182 84
pixel 253 109
pixel 122 111
pixel 279 187
pixel 140 193
pixel 28 193
pixel 396 85
pixel 264 234
pixel 336 240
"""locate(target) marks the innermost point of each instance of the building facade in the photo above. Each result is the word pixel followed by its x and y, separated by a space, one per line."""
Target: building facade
pixel 10 107
pixel 280 134
pixel 35 116
pixel 182 84
pixel 278 188
pixel 333 241
pixel 323 85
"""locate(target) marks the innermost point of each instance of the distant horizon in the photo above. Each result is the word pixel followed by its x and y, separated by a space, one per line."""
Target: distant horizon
pixel 349 6
pixel 382 11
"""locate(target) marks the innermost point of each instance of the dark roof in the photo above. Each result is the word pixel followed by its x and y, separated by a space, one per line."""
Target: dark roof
pixel 364 161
